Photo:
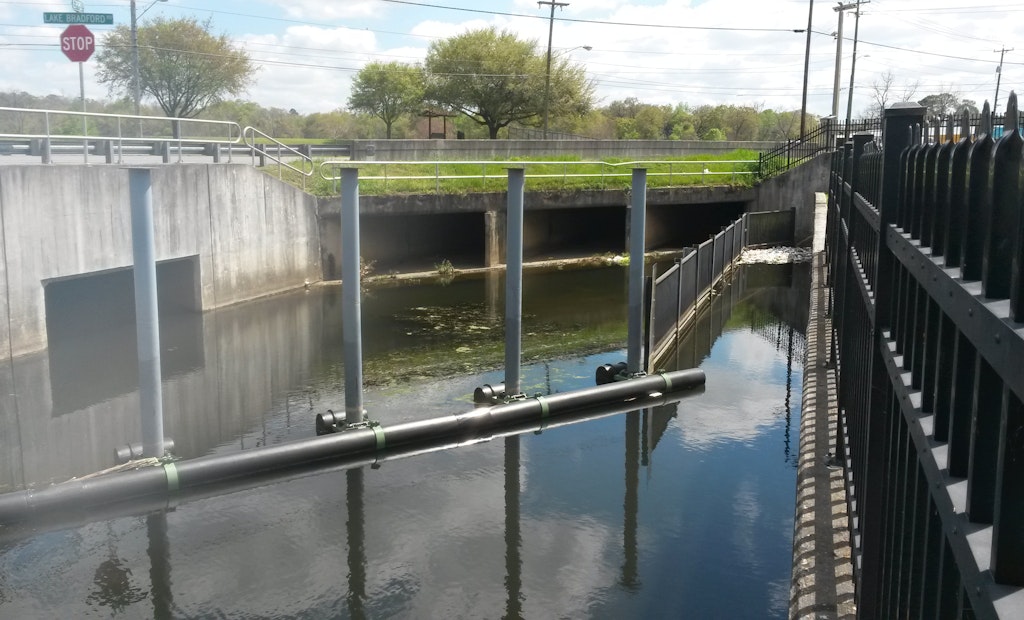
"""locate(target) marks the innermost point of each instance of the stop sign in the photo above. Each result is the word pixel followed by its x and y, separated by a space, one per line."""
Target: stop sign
pixel 77 43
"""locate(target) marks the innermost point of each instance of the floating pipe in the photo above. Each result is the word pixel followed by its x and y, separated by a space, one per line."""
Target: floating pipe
pixel 34 519
pixel 488 393
pixel 351 442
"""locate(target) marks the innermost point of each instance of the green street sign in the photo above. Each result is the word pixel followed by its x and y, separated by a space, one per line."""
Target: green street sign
pixel 105 19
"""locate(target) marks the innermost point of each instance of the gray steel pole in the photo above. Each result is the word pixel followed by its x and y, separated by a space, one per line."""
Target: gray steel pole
pixel 637 237
pixel 514 280
pixel 147 316
pixel 351 324
pixel 841 9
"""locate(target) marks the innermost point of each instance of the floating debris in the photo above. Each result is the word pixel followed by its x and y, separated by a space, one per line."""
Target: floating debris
pixel 775 256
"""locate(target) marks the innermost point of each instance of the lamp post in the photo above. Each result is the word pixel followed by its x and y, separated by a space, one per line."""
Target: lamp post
pixel 136 81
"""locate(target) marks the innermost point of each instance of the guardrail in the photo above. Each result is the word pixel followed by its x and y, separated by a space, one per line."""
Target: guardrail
pixel 459 171
pixel 43 132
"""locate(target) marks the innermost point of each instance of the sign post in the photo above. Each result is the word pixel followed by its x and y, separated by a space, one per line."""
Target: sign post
pixel 78 44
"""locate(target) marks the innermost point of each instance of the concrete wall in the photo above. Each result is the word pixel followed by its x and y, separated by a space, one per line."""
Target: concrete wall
pixel 420 150
pixel 252 234
pixel 795 189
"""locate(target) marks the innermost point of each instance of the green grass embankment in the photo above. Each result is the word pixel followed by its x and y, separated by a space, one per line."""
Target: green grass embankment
pixel 567 173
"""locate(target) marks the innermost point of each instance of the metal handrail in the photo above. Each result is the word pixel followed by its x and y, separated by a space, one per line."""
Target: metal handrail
pixel 329 166
pixel 234 130
pixel 250 134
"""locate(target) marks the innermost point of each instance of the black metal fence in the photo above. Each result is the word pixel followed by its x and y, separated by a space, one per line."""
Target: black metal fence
pixel 823 138
pixel 678 292
pixel 926 270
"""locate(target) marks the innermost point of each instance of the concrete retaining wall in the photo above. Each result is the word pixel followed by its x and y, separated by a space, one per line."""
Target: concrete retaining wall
pixel 426 150
pixel 795 189
pixel 252 234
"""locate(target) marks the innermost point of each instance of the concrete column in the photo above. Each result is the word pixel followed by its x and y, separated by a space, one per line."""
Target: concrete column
pixel 514 281
pixel 494 238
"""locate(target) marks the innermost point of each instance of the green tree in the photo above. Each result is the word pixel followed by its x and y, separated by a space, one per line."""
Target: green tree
pixel 496 78
pixel 181 65
pixel 945 104
pixel 387 90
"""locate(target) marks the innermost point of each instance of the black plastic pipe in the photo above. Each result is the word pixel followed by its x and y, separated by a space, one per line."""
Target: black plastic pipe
pixel 179 476
pixel 60 513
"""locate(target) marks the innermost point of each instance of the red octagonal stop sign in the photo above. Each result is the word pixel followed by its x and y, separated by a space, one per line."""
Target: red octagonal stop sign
pixel 77 43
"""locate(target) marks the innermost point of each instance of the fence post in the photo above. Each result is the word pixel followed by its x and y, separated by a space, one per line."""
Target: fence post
pixel 514 280
pixel 898 127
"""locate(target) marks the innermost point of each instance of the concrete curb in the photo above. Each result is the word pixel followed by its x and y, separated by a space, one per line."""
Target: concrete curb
pixel 822 585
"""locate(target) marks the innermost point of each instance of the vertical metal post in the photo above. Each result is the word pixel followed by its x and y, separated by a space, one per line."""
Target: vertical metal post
pixel 637 237
pixel 352 337
pixel 514 280
pixel 147 318
pixel 85 120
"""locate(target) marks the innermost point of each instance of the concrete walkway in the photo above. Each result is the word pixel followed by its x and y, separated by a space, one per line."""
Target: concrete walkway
pixel 822 586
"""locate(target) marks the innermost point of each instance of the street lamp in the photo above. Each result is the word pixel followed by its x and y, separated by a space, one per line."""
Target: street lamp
pixel 136 82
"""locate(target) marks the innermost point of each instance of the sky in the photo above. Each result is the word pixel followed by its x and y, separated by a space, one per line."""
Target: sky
pixel 733 52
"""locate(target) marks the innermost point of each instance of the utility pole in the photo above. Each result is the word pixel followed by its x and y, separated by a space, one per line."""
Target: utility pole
pixel 547 74
pixel 999 76
pixel 853 66
pixel 841 9
pixel 807 66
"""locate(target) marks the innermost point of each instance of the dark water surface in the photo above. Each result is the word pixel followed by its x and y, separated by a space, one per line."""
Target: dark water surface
pixel 678 511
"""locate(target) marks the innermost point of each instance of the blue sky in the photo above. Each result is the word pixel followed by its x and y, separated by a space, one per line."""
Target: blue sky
pixel 741 52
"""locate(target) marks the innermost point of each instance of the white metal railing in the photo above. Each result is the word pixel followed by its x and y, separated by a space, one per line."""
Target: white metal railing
pixel 116 131
pixel 277 154
pixel 570 169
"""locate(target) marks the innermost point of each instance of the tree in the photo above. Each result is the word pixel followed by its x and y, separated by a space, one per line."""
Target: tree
pixel 181 65
pixel 387 90
pixel 945 104
pixel 883 92
pixel 496 78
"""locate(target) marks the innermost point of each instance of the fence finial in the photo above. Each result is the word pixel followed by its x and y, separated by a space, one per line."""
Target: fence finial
pixel 1011 121
pixel 950 121
pixel 985 127
pixel 965 123
pixel 938 130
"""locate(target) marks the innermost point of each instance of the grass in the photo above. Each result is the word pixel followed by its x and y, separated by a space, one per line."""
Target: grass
pixel 566 173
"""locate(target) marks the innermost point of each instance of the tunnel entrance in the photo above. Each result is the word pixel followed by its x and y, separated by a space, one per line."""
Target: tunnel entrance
pixel 674 227
pixel 420 242
pixel 573 233
pixel 95 312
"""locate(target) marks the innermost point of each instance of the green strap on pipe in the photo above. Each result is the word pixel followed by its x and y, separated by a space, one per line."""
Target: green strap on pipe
pixel 378 432
pixel 545 410
pixel 668 382
pixel 172 476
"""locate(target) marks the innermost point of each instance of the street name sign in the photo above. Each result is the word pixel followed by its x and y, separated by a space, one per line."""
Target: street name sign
pixel 96 19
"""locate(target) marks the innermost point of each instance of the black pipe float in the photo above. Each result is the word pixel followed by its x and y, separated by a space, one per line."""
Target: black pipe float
pixel 75 516
pixel 350 442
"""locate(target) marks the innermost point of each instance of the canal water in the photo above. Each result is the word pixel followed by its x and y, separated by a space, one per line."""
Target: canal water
pixel 684 510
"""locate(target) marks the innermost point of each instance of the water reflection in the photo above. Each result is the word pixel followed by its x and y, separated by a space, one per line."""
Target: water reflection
pixel 537 525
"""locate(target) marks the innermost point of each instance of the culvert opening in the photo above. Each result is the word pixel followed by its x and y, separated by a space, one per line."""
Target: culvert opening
pixel 90 328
